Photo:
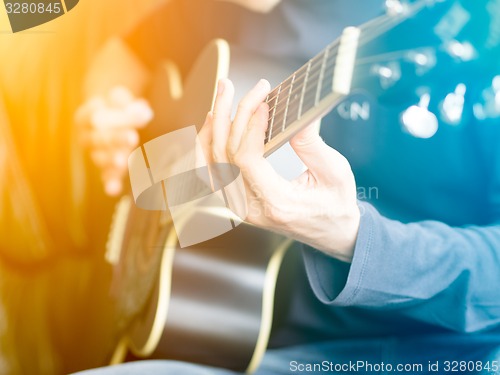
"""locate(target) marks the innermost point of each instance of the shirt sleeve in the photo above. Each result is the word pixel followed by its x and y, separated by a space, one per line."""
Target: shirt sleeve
pixel 442 275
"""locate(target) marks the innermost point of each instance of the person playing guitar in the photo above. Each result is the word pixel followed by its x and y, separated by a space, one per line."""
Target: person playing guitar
pixel 406 278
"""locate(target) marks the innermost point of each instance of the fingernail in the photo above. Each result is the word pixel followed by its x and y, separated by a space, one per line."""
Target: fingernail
pixel 264 83
pixel 220 87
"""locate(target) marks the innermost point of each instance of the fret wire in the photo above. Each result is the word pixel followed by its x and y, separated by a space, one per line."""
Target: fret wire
pixel 296 107
pixel 272 117
pixel 294 104
pixel 308 102
pixel 287 102
pixel 281 104
pixel 278 121
pixel 321 73
pixel 272 104
pixel 308 95
pixel 311 75
pixel 367 60
pixel 327 77
pixel 360 62
pixel 316 67
pixel 270 127
pixel 303 68
pixel 291 104
pixel 304 88
pixel 274 92
pixel 327 81
pixel 293 95
pixel 378 25
pixel 293 107
pixel 267 130
pixel 382 25
pixel 310 78
pixel 291 98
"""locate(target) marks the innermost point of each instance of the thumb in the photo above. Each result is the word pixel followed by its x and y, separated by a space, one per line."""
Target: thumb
pixel 322 161
pixel 309 146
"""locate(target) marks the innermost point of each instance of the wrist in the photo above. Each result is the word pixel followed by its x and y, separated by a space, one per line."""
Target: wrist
pixel 337 237
pixel 347 241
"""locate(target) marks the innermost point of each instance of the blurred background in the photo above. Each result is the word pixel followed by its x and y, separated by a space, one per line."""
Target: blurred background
pixel 52 235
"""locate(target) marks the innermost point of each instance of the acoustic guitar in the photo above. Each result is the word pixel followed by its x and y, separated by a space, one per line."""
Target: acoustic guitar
pixel 220 293
pixel 213 303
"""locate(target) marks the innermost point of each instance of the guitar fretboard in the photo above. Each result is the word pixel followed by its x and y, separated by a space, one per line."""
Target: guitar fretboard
pixel 311 90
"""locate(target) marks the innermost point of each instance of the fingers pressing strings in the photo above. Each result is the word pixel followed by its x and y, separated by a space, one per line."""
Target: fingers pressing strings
pixel 246 110
pixel 221 125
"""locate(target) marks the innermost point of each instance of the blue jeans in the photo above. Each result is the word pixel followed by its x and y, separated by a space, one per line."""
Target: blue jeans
pixel 429 354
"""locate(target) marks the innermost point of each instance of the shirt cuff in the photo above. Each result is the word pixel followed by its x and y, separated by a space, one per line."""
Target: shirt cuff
pixel 336 282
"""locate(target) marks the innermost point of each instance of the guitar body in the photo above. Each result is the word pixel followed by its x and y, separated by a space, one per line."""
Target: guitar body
pixel 211 303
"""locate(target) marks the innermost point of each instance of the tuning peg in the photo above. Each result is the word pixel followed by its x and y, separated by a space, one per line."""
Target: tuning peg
pixel 418 120
pixel 398 7
pixel 496 90
pixel 395 7
pixel 490 105
pixel 461 50
pixel 424 60
pixel 452 106
pixel 388 74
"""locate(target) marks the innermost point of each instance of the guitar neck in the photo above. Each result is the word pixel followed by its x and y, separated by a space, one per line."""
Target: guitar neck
pixel 311 91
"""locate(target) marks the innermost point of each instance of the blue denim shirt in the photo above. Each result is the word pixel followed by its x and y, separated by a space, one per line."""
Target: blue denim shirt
pixel 428 247
pixel 427 257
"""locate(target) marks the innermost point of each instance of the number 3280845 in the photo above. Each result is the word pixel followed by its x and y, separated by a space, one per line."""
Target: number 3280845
pixel 33 8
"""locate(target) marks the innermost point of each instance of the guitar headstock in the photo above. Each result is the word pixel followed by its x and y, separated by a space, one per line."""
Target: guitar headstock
pixel 436 61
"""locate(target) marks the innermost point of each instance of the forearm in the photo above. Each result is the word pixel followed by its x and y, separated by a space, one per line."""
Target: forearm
pixel 443 275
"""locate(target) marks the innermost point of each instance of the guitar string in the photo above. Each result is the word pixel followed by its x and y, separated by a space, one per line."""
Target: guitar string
pixel 368 60
pixel 294 102
pixel 292 98
pixel 385 23
pixel 382 25
pixel 293 88
pixel 393 55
